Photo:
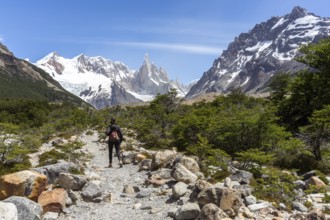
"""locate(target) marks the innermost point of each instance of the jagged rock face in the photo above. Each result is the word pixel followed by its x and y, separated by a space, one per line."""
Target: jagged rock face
pixel 102 82
pixel 254 57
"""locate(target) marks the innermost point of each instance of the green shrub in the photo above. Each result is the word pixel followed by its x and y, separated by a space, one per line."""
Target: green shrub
pixel 89 132
pixel 275 186
pixel 51 157
pixel 219 175
pixel 252 157
pixel 326 198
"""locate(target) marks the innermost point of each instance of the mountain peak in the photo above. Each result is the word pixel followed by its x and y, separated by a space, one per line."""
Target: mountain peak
pixel 146 58
pixel 253 58
pixel 298 12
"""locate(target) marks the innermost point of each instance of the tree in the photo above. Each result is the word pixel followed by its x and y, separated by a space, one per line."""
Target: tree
pixel 309 90
pixel 161 108
pixel 318 132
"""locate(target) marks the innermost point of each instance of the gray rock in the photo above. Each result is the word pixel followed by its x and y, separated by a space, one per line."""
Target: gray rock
pixel 299 207
pixel 189 163
pixel 258 206
pixel 53 171
pixel 209 195
pixel 227 182
pixel 145 164
pixel 163 173
pixel 71 181
pixel 309 174
pixel 50 216
pixel 91 191
pixel 188 211
pixel 250 200
pixel 8 211
pixel 299 184
pixel 182 174
pixel 243 177
pixel 212 212
pixel 179 189
pixel 27 209
pixel 128 189
pixel 144 193
pixel 246 190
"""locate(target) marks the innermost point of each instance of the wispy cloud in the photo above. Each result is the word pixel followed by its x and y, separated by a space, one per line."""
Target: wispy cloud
pixel 2 39
pixel 174 47
pixel 185 48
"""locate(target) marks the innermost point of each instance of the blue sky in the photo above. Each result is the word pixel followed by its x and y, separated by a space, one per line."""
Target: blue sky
pixel 182 36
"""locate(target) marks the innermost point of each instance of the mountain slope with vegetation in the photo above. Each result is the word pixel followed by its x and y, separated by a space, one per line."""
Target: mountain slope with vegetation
pixel 21 80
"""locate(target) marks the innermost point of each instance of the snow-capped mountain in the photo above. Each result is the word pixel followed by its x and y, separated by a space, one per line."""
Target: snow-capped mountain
pixel 102 82
pixel 254 57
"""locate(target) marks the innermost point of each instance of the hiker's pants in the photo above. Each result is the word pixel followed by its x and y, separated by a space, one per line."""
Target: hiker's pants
pixel 117 146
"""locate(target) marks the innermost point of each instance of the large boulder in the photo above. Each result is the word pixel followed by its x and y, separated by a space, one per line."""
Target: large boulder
pixel 8 211
pixel 241 176
pixel 189 163
pixel 182 174
pixel 314 181
pixel 54 200
pixel 212 212
pixel 26 183
pixel 179 189
pixel 71 181
pixel 163 173
pixel 91 191
pixel 230 201
pixel 188 211
pixel 53 171
pixel 27 209
pixel 208 195
pixel 203 184
pixel 163 159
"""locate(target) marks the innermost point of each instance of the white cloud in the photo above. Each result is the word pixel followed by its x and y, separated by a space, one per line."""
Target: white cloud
pixel 186 48
pixel 2 39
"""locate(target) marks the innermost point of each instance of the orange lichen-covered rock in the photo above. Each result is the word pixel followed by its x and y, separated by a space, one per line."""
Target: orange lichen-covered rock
pixel 54 200
pixel 25 183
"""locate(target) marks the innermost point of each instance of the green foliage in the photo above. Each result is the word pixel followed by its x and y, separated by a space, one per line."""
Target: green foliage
pixel 308 91
pixel 210 157
pixel 326 198
pixel 275 186
pixel 253 157
pixel 13 156
pixel 318 132
pixel 51 157
pixel 219 176
pixel 89 132
pixel 67 152
pixel 18 86
pixel 201 148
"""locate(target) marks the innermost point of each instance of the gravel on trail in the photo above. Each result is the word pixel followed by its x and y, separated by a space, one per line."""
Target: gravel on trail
pixel 150 203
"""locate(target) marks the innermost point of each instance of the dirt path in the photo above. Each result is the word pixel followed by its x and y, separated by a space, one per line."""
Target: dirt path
pixel 146 204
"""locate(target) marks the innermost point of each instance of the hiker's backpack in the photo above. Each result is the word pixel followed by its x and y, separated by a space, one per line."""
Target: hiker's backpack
pixel 113 134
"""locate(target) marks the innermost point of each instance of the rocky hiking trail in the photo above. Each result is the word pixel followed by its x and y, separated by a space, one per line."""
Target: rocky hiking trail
pixel 138 205
pixel 168 186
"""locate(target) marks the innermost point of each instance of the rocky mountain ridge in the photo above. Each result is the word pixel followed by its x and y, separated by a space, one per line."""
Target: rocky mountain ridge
pixel 253 58
pixel 102 82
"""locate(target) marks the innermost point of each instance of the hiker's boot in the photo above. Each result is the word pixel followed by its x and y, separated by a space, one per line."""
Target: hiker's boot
pixel 120 164
pixel 110 165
